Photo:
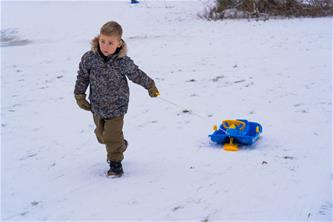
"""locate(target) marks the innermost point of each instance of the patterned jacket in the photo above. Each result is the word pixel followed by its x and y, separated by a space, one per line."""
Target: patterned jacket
pixel 109 91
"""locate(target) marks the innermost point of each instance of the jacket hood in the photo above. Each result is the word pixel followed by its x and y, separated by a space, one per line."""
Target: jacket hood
pixel 122 52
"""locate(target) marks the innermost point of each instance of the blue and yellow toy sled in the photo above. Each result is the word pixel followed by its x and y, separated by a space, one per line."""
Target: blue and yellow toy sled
pixel 234 132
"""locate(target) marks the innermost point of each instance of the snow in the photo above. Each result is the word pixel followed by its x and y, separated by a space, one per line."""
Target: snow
pixel 277 73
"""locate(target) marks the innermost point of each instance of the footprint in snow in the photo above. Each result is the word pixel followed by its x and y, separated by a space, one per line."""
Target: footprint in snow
pixel 28 156
pixel 217 78
pixel 185 111
pixel 177 208
pixel 325 208
pixel 191 80
pixel 11 37
pixel 288 157
pixel 34 203
pixel 24 213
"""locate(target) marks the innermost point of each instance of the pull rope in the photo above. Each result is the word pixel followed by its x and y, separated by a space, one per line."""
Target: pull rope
pixel 184 108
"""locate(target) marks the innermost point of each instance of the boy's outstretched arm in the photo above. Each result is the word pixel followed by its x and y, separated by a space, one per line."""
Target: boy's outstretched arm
pixel 138 76
pixel 81 85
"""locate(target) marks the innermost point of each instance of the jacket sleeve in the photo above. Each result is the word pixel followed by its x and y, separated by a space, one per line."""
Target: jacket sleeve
pixel 82 79
pixel 135 74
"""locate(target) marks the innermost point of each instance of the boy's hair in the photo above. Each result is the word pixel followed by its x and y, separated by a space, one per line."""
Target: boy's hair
pixel 111 28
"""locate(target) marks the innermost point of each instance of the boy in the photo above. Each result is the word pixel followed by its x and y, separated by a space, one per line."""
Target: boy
pixel 104 68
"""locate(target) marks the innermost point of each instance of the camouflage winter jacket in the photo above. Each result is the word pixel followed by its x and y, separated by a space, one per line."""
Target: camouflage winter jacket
pixel 109 91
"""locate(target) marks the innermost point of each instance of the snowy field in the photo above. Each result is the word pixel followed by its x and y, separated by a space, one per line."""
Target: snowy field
pixel 277 73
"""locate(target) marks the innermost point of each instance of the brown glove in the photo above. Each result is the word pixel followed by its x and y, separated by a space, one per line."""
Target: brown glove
pixel 153 91
pixel 82 102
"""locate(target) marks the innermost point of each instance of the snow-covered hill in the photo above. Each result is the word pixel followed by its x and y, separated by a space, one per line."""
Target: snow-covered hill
pixel 278 73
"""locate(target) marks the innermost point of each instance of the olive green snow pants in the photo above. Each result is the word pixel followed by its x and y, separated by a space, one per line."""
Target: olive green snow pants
pixel 110 133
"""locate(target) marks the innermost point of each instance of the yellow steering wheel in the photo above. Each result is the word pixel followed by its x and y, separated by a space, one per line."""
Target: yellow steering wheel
pixel 231 124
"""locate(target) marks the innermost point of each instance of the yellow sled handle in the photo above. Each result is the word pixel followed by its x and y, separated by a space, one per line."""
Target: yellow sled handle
pixel 232 124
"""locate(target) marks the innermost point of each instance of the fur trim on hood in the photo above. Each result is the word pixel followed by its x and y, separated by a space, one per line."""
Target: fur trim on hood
pixel 123 50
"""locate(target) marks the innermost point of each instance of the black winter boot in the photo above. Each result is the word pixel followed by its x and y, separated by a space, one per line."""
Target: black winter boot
pixel 116 169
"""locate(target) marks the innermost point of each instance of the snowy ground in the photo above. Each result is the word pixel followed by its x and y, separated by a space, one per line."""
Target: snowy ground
pixel 278 73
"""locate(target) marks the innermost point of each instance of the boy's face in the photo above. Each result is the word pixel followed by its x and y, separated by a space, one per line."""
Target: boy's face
pixel 108 44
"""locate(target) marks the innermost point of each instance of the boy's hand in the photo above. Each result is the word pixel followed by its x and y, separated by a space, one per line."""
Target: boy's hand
pixel 82 102
pixel 153 91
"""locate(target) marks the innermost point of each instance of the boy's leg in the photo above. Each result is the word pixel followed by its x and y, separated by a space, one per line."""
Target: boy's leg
pixel 114 139
pixel 99 128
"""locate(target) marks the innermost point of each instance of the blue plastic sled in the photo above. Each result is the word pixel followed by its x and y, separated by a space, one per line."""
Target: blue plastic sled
pixel 238 131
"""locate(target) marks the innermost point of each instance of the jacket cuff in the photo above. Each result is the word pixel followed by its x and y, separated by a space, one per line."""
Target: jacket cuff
pixel 151 84
pixel 80 96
